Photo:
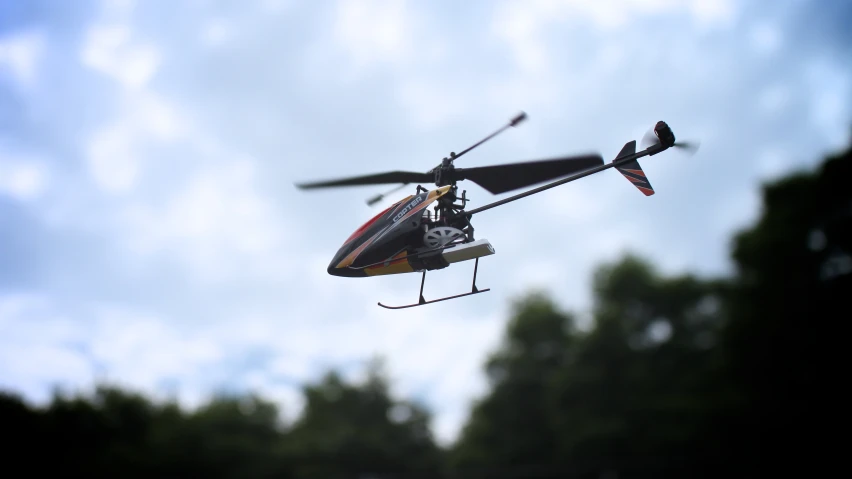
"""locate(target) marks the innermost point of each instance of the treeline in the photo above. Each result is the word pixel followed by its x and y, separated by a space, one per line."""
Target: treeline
pixel 677 376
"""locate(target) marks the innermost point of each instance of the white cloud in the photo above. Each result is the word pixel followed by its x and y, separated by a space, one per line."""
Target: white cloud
pixel 713 13
pixel 576 203
pixel 217 32
pixel 36 347
pixel 118 8
pixel 217 223
pixel 113 152
pixel 524 24
pixel 525 19
pixel 144 350
pixel 40 349
pixel 766 38
pixel 528 29
pixel 433 105
pixel 275 6
pixel 372 31
pixel 22 179
pixel 774 98
pixel 612 14
pixel 21 54
pixel 736 208
pixel 111 158
pixel 108 49
pixel 772 163
pixel 520 26
pixel 830 88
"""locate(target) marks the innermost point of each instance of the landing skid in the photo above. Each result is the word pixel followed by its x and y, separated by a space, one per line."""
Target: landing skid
pixel 473 290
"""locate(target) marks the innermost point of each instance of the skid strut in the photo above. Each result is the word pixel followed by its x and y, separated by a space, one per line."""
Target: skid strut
pixel 422 300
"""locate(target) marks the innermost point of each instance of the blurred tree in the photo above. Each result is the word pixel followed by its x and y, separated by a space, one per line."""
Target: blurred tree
pixel 638 391
pixel 511 429
pixel 633 394
pixel 794 274
pixel 353 431
pixel 230 436
pixel 115 433
pixel 346 431
pixel 22 432
pixel 103 436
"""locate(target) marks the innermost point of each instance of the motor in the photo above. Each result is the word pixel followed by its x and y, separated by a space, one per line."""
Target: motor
pixel 665 134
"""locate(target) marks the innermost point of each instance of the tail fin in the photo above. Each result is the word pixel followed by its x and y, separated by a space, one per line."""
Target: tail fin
pixel 632 171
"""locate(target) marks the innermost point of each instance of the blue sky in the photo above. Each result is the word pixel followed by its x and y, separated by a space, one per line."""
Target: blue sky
pixel 150 232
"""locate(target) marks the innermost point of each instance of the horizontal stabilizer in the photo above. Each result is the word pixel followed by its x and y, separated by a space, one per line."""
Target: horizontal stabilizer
pixel 632 171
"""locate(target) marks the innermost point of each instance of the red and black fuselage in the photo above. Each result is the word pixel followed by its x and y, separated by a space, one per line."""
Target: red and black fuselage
pixel 383 244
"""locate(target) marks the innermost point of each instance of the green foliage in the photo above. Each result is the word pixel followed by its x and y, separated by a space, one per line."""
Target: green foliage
pixel 512 425
pixel 351 430
pixel 788 302
pixel 346 431
pixel 564 401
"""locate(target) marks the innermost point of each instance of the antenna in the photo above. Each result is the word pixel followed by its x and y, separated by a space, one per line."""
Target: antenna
pixel 515 121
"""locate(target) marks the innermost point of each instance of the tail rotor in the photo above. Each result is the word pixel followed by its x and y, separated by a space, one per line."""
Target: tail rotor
pixel 661 136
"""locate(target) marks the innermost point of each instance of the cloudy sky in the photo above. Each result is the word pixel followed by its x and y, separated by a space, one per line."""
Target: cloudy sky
pixel 151 235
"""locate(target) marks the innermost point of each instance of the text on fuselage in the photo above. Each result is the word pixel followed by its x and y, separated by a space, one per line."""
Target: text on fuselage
pixel 407 208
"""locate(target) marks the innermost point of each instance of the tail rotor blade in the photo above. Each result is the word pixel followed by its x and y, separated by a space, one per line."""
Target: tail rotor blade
pixel 649 139
pixel 689 147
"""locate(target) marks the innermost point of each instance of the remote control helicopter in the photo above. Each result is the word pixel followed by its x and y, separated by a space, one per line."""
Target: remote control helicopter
pixel 409 237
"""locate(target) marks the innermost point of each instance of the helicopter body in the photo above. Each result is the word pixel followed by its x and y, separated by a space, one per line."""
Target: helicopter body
pixel 409 237
pixel 404 238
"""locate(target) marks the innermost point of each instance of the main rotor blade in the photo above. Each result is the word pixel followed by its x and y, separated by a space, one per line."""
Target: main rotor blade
pixel 502 178
pixel 375 179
